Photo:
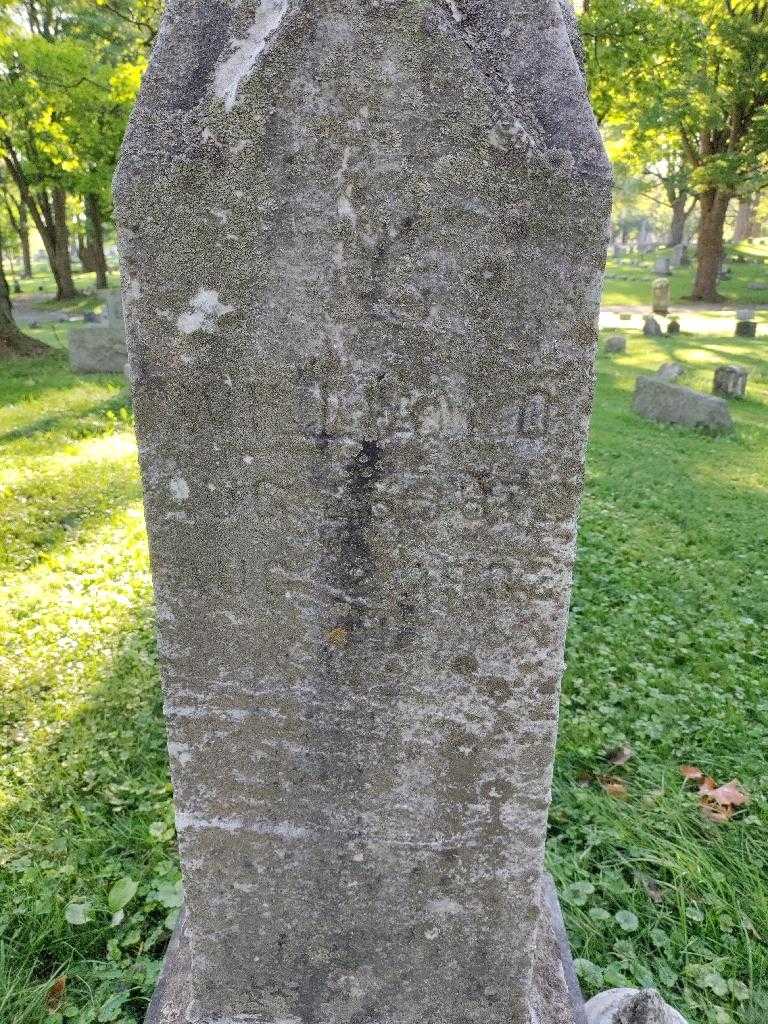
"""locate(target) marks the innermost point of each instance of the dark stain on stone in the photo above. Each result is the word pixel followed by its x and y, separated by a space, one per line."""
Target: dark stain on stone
pixel 209 37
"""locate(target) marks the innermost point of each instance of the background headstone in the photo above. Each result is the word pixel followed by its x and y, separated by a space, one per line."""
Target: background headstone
pixel 657 400
pixel 670 372
pixel 362 398
pixel 746 329
pixel 662 266
pixel 616 343
pixel 730 381
pixel 97 348
pixel 661 296
pixel 652 327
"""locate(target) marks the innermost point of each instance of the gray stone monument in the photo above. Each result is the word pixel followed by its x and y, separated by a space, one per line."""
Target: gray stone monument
pixel 362 247
pixel 663 402
pixel 746 325
pixel 100 347
pixel 730 382
pixel 677 257
pixel 670 372
pixel 662 266
pixel 661 296
pixel 616 343
pixel 652 327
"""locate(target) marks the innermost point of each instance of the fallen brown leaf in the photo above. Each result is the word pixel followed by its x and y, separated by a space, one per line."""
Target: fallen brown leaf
pixel 614 788
pixel 620 755
pixel 54 997
pixel 731 794
pixel 707 785
pixel 713 812
pixel 688 771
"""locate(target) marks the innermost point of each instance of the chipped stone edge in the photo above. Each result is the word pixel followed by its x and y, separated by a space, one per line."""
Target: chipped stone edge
pixel 170 1001
pixel 566 957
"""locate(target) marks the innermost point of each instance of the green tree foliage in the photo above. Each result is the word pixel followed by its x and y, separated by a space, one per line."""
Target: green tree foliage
pixel 691 76
pixel 68 78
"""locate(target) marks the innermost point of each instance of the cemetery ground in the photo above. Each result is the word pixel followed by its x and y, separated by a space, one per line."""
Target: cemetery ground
pixel 629 278
pixel 667 657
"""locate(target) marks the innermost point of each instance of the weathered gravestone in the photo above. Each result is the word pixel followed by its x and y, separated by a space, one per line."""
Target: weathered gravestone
pixel 663 402
pixel 730 382
pixel 362 247
pixel 670 372
pixel 678 257
pixel 746 325
pixel 661 296
pixel 616 343
pixel 651 327
pixel 662 266
pixel 100 348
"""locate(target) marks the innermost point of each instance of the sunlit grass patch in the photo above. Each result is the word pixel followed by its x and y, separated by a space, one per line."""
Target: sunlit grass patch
pixel 667 654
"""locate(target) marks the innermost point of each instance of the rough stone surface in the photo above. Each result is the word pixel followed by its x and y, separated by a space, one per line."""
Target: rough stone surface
pixel 745 313
pixel 657 400
pixel 362 248
pixel 616 343
pixel 652 327
pixel 673 327
pixel 661 296
pixel 631 1006
pixel 170 1002
pixel 97 348
pixel 670 372
pixel 730 382
pixel 746 329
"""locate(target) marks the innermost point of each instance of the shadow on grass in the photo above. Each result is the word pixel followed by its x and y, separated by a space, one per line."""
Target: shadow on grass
pixel 76 422
pixel 84 821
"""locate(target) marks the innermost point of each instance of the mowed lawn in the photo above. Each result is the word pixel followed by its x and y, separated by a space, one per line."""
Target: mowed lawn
pixel 667 657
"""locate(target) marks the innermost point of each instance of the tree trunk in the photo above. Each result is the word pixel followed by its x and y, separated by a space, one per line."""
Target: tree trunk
pixel 679 217
pixel 26 256
pixel 96 238
pixel 65 286
pixel 14 342
pixel 745 219
pixel 50 220
pixel 714 206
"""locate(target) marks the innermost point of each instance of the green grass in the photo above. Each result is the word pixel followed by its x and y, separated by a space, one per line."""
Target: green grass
pixel 42 279
pixel 666 652
pixel 628 280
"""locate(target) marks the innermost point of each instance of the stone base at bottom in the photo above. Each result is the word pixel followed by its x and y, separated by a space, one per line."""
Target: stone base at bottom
pixel 558 999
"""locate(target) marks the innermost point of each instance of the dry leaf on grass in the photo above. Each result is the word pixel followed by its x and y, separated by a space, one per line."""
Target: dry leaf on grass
pixel 731 794
pixel 620 755
pixel 689 771
pixel 54 997
pixel 614 787
pixel 717 803
pixel 713 812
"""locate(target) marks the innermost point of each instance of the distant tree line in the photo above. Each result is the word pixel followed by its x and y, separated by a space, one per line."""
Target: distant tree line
pixel 687 82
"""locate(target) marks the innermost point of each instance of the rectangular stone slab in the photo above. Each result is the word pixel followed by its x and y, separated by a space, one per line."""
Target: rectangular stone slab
pixel 362 248
pixel 658 400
